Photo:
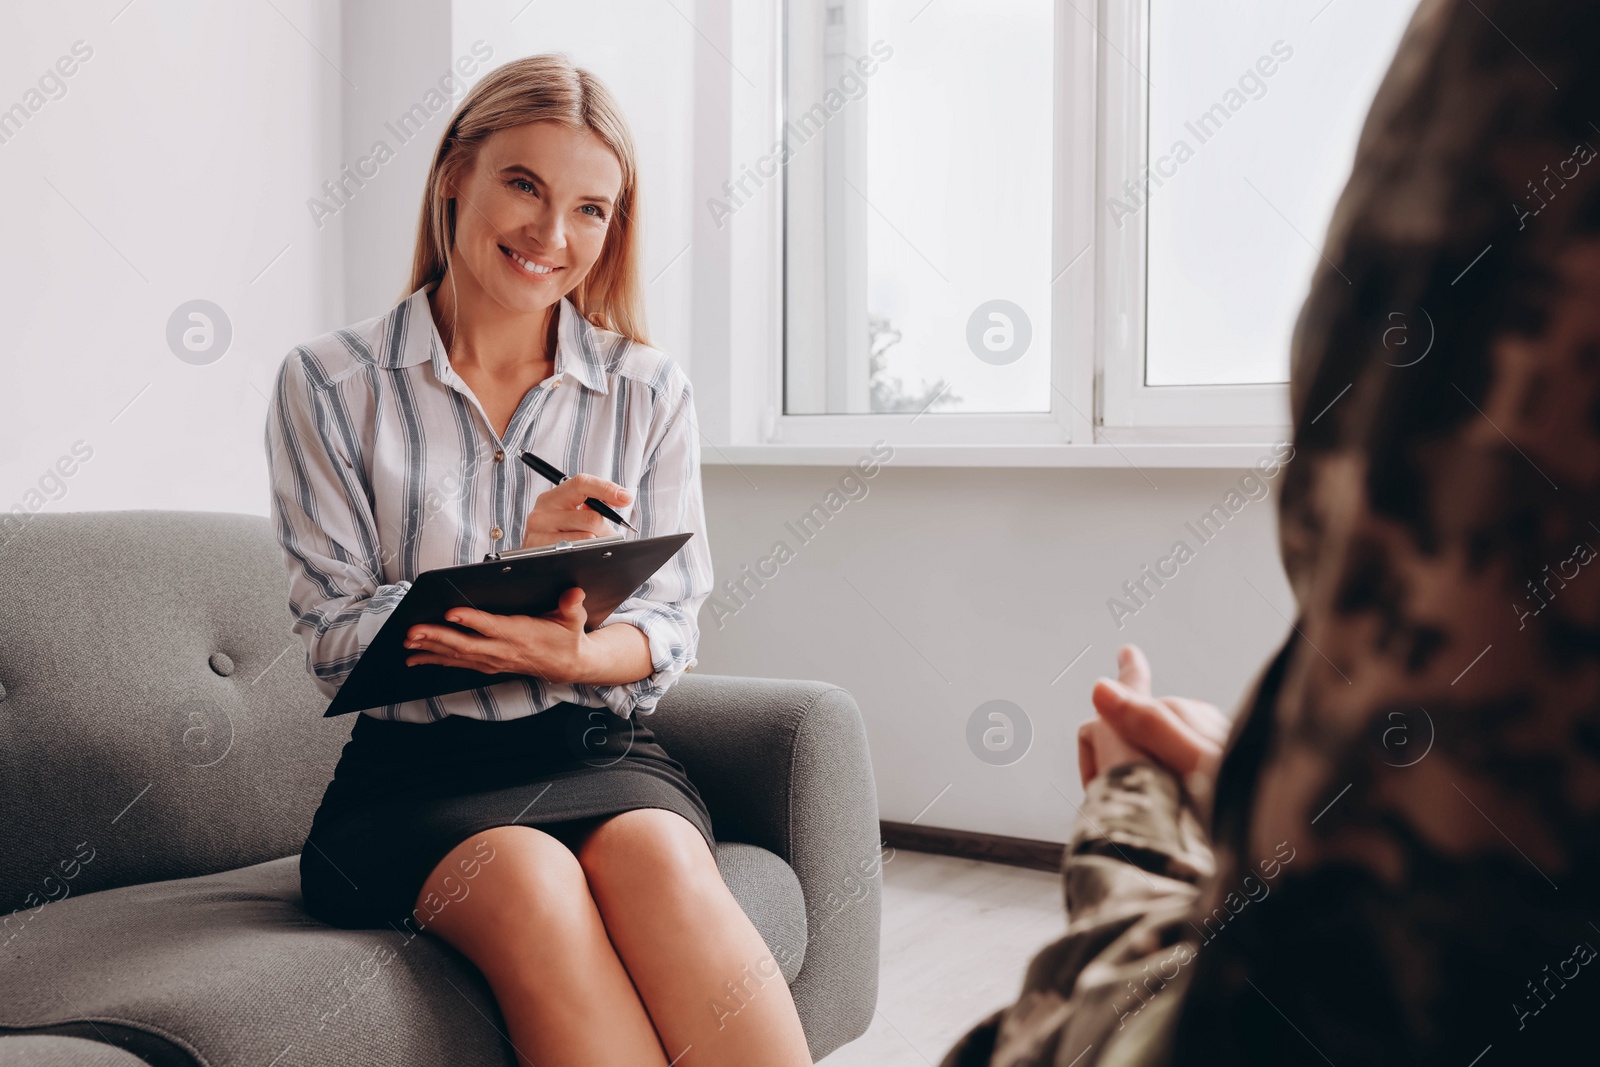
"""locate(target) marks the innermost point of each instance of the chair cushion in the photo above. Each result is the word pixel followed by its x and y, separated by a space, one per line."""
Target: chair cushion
pixel 48 1050
pixel 158 721
pixel 769 892
pixel 228 968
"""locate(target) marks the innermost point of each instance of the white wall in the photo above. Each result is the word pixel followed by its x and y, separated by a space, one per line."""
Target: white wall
pixel 398 55
pixel 943 589
pixel 188 146
pixel 174 167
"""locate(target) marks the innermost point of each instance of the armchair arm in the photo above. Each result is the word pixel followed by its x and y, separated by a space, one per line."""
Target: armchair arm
pixel 784 765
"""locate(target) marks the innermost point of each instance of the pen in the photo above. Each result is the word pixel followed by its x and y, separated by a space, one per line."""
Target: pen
pixel 547 471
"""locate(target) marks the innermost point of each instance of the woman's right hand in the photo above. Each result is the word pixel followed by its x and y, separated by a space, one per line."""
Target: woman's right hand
pixel 559 513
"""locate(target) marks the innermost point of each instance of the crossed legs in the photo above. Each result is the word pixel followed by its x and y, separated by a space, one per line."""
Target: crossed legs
pixel 632 951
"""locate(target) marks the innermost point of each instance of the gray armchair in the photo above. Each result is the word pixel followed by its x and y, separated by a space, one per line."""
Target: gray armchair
pixel 162 752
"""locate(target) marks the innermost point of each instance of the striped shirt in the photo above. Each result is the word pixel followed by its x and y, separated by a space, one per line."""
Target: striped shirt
pixel 383 465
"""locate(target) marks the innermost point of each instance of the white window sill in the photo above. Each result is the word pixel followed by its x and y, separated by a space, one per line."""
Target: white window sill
pixel 1234 456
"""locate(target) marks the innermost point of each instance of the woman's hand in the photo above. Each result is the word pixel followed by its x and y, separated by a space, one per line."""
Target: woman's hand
pixel 1185 736
pixel 553 647
pixel 559 513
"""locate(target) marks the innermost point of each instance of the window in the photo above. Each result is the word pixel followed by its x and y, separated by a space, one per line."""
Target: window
pixel 918 209
pixel 1252 111
pixel 1263 108
pixel 1032 223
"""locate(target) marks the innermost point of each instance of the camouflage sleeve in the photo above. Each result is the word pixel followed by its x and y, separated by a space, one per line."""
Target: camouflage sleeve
pixel 1134 860
pixel 1406 828
pixel 1432 755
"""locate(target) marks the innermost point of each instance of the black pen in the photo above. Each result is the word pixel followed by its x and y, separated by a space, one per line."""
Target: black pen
pixel 557 477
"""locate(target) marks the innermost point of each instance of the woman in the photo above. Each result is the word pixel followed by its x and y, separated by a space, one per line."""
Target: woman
pixel 533 824
pixel 1403 864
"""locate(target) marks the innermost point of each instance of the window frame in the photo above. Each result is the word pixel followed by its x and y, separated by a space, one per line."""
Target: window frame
pixel 1130 409
pixel 1101 413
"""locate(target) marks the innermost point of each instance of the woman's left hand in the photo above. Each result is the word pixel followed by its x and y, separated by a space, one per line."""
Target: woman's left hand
pixel 553 647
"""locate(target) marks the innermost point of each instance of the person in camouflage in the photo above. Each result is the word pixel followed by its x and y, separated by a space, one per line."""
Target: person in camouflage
pixel 1397 861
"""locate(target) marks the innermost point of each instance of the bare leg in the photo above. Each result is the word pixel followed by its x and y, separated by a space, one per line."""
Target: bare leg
pixel 519 908
pixel 712 987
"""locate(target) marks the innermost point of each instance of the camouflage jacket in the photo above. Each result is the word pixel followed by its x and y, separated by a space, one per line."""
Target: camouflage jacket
pixel 1404 848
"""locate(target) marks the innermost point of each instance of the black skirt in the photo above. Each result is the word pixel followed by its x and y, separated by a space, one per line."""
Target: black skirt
pixel 404 794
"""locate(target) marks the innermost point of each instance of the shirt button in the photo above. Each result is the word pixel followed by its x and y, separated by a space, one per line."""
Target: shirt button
pixel 497 533
pixel 499 456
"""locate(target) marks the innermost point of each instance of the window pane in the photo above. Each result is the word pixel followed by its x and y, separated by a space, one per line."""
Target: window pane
pixel 1255 109
pixel 917 216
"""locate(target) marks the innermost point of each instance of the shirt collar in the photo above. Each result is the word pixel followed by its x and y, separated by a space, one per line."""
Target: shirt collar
pixel 413 338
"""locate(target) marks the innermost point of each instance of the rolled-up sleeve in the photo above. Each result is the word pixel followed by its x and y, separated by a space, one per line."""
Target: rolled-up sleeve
pixel 323 517
pixel 666 608
pixel 1131 871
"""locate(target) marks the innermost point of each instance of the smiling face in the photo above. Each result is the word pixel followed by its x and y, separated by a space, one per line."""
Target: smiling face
pixel 533 211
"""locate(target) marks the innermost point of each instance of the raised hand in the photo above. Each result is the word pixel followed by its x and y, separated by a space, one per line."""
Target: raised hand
pixel 1186 736
pixel 1100 746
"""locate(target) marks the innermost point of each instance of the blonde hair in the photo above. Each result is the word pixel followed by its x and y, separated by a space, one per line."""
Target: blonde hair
pixel 541 88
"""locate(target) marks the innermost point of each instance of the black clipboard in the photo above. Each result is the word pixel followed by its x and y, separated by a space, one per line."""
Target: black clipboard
pixel 520 582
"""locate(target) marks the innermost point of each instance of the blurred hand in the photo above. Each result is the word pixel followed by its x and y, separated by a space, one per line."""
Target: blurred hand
pixel 1101 748
pixel 1185 736
pixel 559 513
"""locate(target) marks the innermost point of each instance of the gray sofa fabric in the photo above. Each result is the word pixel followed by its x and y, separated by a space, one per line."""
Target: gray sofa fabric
pixel 45 1050
pixel 161 755
pixel 229 968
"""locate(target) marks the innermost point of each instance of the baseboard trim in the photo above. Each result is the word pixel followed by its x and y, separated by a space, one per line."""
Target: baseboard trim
pixel 991 848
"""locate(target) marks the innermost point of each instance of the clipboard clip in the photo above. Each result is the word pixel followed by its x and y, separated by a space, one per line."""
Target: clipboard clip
pixel 559 546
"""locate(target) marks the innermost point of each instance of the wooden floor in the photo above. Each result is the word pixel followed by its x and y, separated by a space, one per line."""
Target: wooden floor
pixel 957 935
